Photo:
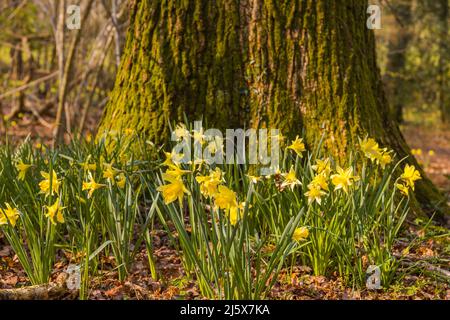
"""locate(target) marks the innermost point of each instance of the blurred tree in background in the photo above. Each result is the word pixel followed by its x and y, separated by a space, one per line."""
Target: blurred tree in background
pixel 414 58
pixel 55 76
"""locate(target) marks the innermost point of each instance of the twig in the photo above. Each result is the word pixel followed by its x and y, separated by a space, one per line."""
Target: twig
pixel 28 85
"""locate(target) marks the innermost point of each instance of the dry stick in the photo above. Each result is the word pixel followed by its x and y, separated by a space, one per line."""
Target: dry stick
pixel 425 264
pixel 103 41
pixel 38 292
pixel 116 32
pixel 59 43
pixel 58 132
pixel 86 106
pixel 98 54
pixel 51 291
pixel 28 85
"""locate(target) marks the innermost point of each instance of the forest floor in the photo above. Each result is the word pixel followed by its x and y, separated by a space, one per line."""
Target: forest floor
pixel 422 280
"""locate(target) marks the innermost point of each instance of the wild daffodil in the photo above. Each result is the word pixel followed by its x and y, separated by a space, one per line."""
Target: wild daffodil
pixel 181 132
pixel 297 146
pixel 88 166
pixel 109 172
pixel 253 179
pixel 290 180
pixel 234 214
pixel 370 149
pixel 410 175
pixel 172 159
pixel 314 193
pixel 300 234
pixel 91 185
pixel 55 211
pixel 173 190
pixel 403 188
pixel 322 166
pixel 175 172
pixel 22 168
pixel 9 215
pixel 321 181
pixel 48 181
pixel 343 178
pixel 121 180
pixel 199 136
pixel 209 183
pixel 225 198
pixel 385 158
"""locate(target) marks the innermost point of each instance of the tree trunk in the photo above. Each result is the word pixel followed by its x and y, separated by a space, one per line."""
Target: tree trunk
pixel 293 65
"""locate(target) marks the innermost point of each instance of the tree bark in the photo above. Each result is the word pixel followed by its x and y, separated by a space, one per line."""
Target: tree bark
pixel 293 65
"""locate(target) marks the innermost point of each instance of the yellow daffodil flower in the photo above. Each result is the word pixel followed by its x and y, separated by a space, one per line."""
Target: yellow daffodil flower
pixel 181 132
pixel 199 136
pixel 225 198
pixel 174 190
pixel 385 158
pixel 320 180
pixel 172 159
pixel 234 214
pixel 22 168
pixel 109 172
pixel 290 179
pixel 403 188
pixel 409 175
pixel 175 172
pixel 121 181
pixel 298 146
pixel 209 183
pixel 300 234
pixel 55 210
pixel 88 166
pixel 91 185
pixel 254 179
pixel 44 185
pixel 322 166
pixel 370 149
pixel 314 193
pixel 9 215
pixel 343 179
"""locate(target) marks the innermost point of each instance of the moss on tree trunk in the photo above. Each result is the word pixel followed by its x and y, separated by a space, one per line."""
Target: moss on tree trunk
pixel 293 65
